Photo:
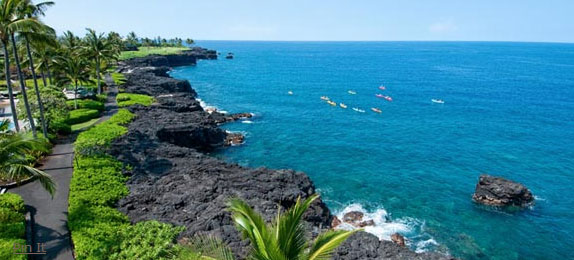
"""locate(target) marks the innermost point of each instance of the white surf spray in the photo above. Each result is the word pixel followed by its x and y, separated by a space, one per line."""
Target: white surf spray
pixel 412 229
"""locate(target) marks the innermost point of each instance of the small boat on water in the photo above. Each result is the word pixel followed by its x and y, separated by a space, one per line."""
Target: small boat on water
pixel 343 105
pixel 376 110
pixel 382 88
pixel 388 98
pixel 358 110
pixel 352 92
pixel 380 95
pixel 332 103
pixel 325 98
pixel 438 101
pixel 229 56
pixel 290 92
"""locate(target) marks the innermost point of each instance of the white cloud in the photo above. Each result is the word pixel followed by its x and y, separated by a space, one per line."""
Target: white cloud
pixel 444 26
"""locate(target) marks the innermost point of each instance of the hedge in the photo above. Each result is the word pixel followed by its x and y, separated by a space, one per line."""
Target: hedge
pixel 99 230
pixel 86 103
pixel 60 127
pixel 128 99
pixel 82 115
pixel 119 78
pixel 12 225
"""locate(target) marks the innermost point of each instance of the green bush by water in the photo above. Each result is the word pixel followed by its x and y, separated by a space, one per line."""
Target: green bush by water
pixel 128 99
pixel 99 230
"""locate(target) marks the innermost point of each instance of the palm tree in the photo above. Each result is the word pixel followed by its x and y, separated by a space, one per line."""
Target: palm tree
pixel 285 238
pixel 23 84
pixel 34 10
pixel 14 163
pixel 45 54
pixel 73 69
pixel 12 22
pixel 99 49
pixel 8 23
pixel 132 39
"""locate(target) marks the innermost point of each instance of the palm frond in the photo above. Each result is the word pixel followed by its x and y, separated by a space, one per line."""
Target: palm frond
pixel 209 247
pixel 326 243
pixel 289 231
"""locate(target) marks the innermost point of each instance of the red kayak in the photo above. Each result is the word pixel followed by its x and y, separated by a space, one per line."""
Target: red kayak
pixel 388 98
pixel 382 88
pixel 379 95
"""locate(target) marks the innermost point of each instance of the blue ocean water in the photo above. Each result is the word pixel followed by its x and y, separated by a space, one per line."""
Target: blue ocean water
pixel 508 111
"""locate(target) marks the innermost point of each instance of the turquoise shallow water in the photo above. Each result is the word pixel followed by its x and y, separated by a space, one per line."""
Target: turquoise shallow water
pixel 509 111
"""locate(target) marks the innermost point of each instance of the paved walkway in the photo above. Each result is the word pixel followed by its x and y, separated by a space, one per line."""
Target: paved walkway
pixel 50 215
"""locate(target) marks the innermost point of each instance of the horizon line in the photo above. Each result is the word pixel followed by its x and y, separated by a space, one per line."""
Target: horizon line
pixel 374 41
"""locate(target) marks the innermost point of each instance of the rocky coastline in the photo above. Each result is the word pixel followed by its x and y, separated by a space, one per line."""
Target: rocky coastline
pixel 174 180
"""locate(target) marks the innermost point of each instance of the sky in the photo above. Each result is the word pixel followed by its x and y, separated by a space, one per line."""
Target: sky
pixel 323 20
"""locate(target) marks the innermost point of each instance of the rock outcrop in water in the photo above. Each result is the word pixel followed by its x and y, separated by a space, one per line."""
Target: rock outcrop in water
pixel 496 191
pixel 173 180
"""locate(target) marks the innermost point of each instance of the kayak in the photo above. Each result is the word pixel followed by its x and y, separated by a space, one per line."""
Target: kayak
pixel 343 105
pixel 388 98
pixel 359 110
pixel 332 103
pixel 376 110
pixel 438 101
pixel 382 88
pixel 325 98
pixel 380 95
pixel 352 92
pixel 290 92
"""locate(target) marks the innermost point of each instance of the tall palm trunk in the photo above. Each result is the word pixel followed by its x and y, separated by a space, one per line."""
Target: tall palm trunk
pixel 23 87
pixel 9 84
pixel 98 75
pixel 43 77
pixel 75 94
pixel 49 74
pixel 38 97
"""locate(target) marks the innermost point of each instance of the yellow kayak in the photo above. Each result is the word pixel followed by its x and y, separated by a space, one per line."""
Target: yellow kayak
pixel 376 110
pixel 343 105
pixel 332 103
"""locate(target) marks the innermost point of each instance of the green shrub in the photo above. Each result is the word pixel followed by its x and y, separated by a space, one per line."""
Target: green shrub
pixel 98 181
pixel 82 115
pixel 102 98
pixel 122 117
pixel 13 230
pixel 148 240
pixel 60 127
pixel 99 231
pixel 7 251
pixel 86 103
pixel 128 99
pixel 55 108
pixel 119 78
pixel 12 202
pixel 12 225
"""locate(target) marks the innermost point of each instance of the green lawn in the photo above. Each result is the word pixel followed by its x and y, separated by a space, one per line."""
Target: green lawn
pixel 86 124
pixel 29 83
pixel 145 51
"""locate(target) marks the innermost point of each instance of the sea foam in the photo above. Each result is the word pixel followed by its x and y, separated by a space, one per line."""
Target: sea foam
pixel 410 228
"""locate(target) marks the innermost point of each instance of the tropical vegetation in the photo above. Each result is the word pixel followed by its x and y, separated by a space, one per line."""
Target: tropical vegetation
pixel 12 225
pixel 128 99
pixel 18 154
pixel 285 238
